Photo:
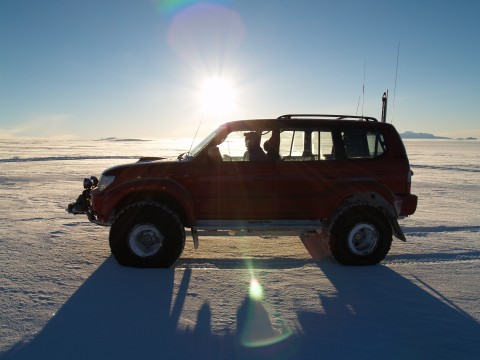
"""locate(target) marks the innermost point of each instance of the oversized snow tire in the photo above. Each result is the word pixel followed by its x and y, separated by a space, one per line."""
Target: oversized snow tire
pixel 147 235
pixel 361 235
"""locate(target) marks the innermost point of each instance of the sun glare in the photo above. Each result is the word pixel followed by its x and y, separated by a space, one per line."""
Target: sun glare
pixel 217 97
pixel 255 290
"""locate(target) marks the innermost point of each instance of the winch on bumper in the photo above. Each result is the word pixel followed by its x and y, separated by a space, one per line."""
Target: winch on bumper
pixel 83 204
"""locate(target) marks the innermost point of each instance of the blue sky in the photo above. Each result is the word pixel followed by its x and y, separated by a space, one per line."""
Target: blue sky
pixel 136 68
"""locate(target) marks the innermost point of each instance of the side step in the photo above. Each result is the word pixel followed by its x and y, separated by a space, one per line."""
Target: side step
pixel 254 228
pixel 263 225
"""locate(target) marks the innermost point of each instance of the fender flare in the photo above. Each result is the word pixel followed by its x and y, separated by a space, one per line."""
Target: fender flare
pixel 373 199
pixel 156 188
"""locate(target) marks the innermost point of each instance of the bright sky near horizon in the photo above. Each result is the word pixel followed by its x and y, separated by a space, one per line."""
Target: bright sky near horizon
pixel 154 68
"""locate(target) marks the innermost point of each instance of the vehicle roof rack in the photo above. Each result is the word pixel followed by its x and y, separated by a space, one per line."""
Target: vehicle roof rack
pixel 330 117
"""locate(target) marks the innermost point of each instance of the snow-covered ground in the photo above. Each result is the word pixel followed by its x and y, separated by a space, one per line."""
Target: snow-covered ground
pixel 62 296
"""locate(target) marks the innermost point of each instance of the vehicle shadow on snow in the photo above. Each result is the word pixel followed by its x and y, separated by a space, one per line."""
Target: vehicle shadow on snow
pixel 126 313
pixel 120 313
pixel 378 313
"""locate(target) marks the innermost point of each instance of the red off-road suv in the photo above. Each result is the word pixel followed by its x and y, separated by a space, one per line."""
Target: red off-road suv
pixel 344 178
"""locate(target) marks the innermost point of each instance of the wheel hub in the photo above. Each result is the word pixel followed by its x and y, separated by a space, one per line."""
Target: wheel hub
pixel 145 240
pixel 363 239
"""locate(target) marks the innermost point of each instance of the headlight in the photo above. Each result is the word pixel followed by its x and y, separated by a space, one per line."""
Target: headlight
pixel 105 181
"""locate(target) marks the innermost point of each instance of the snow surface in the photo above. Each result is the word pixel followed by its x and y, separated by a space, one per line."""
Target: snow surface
pixel 62 296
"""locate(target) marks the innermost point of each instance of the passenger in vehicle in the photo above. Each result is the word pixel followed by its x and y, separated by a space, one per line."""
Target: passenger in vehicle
pixel 272 149
pixel 254 151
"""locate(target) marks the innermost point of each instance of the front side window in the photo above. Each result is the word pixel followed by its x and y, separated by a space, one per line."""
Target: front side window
pixel 233 148
pixel 363 144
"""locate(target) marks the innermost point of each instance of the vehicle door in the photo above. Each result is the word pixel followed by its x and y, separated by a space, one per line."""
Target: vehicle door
pixel 309 177
pixel 232 188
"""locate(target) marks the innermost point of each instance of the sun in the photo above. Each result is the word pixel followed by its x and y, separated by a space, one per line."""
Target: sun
pixel 217 97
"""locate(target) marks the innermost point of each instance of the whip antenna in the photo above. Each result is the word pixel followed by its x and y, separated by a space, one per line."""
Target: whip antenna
pixel 196 132
pixel 363 87
pixel 395 86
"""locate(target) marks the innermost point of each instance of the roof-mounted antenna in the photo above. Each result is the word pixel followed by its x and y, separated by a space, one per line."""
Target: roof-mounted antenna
pixel 395 87
pixel 384 106
pixel 196 132
pixel 363 87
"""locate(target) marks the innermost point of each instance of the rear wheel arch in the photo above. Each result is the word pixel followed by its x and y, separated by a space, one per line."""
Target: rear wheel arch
pixel 364 198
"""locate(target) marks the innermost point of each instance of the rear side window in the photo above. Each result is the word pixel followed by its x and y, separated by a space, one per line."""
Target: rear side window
pixel 306 145
pixel 363 144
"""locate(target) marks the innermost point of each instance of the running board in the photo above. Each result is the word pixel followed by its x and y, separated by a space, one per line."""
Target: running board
pixel 254 228
pixel 262 225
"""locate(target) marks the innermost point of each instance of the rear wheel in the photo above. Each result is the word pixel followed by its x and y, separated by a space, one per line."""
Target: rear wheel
pixel 362 235
pixel 147 235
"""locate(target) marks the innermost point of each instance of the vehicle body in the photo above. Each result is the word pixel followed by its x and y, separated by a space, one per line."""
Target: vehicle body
pixel 344 178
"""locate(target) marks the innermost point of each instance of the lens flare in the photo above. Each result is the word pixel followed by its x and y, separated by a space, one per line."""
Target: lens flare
pixel 256 328
pixel 206 36
pixel 172 7
pixel 255 290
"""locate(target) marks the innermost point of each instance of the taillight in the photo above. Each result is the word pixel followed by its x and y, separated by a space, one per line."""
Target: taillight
pixel 409 181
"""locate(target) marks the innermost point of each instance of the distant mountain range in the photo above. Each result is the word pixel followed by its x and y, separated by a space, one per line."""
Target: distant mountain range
pixel 117 139
pixel 414 135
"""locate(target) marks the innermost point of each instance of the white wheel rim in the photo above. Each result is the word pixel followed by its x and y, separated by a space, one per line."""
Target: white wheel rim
pixel 363 239
pixel 145 240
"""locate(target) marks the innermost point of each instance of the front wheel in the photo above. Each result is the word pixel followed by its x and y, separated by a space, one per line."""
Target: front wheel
pixel 147 235
pixel 361 236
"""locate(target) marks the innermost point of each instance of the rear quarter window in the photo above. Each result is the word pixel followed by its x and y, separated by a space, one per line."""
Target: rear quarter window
pixel 363 143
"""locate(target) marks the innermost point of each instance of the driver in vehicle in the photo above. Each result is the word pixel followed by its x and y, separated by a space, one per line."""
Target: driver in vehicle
pixel 214 154
pixel 254 151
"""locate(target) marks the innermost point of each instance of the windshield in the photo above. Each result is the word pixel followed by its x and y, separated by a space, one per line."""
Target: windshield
pixel 202 144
